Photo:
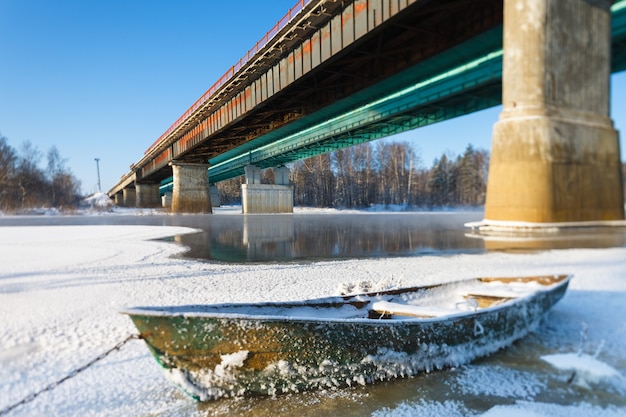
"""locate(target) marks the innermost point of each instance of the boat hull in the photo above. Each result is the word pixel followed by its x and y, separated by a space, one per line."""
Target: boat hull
pixel 212 357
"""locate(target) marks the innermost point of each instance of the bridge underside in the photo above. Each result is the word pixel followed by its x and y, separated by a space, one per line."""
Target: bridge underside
pixel 429 92
pixel 428 62
pixel 440 94
pixel 371 91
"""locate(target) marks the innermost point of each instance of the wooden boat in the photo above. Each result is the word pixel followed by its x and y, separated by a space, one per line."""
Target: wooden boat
pixel 226 350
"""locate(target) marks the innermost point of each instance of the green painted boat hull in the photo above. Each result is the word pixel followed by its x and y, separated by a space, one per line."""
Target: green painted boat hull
pixel 213 355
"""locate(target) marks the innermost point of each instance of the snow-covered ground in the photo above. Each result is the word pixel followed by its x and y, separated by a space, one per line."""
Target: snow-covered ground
pixel 61 288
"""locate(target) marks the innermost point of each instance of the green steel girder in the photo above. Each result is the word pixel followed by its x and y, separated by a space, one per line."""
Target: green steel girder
pixel 408 121
pixel 379 130
pixel 437 98
pixel 618 34
pixel 475 48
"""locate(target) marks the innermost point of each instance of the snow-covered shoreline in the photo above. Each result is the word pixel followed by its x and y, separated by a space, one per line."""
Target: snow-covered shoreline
pixel 61 288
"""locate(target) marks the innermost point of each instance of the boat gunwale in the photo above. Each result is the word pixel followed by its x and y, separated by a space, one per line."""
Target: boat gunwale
pixel 336 302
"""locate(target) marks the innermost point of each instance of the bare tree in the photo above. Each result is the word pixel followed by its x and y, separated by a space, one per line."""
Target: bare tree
pixel 55 169
pixel 23 184
pixel 313 181
pixel 388 173
pixel 230 190
pixel 31 180
pixel 8 162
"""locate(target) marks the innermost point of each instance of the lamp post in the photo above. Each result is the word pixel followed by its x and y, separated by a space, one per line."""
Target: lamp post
pixel 98 169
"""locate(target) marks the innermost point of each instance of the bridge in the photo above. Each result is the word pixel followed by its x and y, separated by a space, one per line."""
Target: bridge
pixel 332 74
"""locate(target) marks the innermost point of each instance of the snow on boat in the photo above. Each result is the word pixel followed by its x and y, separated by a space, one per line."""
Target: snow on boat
pixel 226 350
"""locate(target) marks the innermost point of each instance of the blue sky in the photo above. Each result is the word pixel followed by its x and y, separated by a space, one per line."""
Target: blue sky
pixel 104 79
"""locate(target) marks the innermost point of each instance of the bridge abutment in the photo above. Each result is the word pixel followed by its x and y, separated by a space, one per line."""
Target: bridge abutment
pixel 555 152
pixel 191 188
pixel 257 198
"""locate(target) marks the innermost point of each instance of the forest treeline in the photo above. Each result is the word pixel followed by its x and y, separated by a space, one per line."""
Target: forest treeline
pixel 381 173
pixel 376 173
pixel 24 184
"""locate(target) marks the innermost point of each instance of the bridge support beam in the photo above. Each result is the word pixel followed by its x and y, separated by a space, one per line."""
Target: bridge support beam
pixel 257 198
pixel 191 188
pixel 555 152
pixel 147 195
pixel 129 197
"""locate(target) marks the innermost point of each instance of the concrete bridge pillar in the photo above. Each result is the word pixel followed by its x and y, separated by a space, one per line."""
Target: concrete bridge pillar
pixel 266 198
pixel 253 174
pixel 118 199
pixel 166 200
pixel 281 175
pixel 147 195
pixel 191 188
pixel 555 152
pixel 129 199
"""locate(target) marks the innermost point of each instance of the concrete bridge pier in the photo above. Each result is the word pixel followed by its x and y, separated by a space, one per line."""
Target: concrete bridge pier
pixel 147 195
pixel 191 188
pixel 259 198
pixel 129 197
pixel 166 200
pixel 555 153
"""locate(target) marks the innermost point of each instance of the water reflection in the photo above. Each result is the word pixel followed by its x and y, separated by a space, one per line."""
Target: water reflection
pixel 288 237
pixel 315 236
pixel 279 238
pixel 565 239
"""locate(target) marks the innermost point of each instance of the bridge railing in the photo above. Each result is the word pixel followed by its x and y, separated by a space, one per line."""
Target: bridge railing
pixel 233 70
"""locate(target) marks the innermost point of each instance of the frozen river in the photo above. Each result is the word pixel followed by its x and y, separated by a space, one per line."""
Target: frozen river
pixel 63 279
